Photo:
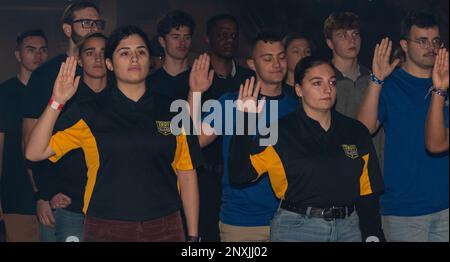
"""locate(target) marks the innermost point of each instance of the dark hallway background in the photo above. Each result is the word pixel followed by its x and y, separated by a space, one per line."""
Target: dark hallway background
pixel 380 18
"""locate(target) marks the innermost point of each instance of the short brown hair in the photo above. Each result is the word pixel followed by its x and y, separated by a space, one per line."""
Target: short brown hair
pixel 67 17
pixel 340 20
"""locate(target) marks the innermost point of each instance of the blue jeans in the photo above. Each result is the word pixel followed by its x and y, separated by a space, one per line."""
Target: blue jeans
pixel 287 226
pixel 47 234
pixel 427 228
pixel 69 227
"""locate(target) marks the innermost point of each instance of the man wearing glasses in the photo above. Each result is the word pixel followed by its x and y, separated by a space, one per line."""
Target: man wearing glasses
pixel 415 203
pixel 78 20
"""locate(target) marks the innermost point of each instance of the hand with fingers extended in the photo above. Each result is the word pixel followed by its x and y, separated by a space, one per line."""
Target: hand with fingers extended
pixel 66 82
pixel 440 70
pixel 44 213
pixel 248 97
pixel 201 77
pixel 381 66
pixel 60 201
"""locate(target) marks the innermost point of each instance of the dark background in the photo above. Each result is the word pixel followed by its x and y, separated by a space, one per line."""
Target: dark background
pixel 380 18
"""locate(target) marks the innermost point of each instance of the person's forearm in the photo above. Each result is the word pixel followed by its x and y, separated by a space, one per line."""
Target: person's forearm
pixel 27 127
pixel 436 133
pixel 368 112
pixel 204 138
pixel 38 145
pixel 190 198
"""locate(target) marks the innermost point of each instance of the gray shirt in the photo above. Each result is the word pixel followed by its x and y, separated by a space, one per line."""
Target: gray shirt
pixel 349 97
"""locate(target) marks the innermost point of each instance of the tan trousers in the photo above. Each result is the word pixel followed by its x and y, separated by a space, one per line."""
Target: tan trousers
pixel 230 233
pixel 21 228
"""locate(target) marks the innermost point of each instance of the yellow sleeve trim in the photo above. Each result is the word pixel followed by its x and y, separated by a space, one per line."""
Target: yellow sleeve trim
pixel 64 141
pixel 182 160
pixel 364 181
pixel 269 161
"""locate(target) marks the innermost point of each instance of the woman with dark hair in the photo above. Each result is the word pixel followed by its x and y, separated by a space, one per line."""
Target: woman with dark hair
pixel 323 167
pixel 139 172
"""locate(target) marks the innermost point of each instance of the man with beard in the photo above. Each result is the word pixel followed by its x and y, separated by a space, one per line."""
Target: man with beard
pixel 175 32
pixel 79 19
pixel 415 203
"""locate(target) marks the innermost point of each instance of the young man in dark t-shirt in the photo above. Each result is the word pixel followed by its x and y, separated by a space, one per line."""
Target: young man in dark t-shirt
pixel 175 32
pixel 17 199
pixel 79 19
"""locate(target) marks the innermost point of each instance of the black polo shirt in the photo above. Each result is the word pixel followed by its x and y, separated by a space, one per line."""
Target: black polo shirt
pixel 38 93
pixel 310 166
pixel 16 190
pixel 69 173
pixel 130 153
pixel 173 87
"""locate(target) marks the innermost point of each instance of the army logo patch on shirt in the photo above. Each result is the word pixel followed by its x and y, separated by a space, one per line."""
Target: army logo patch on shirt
pixel 351 151
pixel 164 127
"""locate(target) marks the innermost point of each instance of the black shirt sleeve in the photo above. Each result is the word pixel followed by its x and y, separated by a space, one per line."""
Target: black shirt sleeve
pixel 368 206
pixel 246 161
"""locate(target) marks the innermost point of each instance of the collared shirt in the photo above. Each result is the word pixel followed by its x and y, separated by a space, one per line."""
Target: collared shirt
pixel 69 174
pixel 222 85
pixel 16 190
pixel 310 166
pixel 131 155
pixel 349 95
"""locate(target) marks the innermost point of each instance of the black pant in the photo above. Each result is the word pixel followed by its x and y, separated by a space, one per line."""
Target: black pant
pixel 210 181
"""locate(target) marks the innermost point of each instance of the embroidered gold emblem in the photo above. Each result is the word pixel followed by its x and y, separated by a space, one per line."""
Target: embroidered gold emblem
pixel 351 151
pixel 163 127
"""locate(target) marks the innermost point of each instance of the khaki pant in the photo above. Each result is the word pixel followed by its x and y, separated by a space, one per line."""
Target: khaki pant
pixel 230 233
pixel 21 228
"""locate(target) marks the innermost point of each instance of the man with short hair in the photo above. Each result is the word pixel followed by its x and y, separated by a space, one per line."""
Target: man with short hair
pixel 222 39
pixel 17 199
pixel 415 203
pixel 175 32
pixel 246 212
pixel 79 19
pixel 343 37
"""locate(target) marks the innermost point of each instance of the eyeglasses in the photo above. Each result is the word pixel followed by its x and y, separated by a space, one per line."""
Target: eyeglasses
pixel 425 43
pixel 89 23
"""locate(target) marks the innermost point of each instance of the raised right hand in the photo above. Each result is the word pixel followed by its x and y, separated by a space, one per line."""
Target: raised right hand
pixel 44 213
pixel 381 67
pixel 201 77
pixel 248 97
pixel 66 82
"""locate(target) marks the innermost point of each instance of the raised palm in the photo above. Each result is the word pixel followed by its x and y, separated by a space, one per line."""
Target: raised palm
pixel 440 70
pixel 381 66
pixel 201 77
pixel 248 97
pixel 66 83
